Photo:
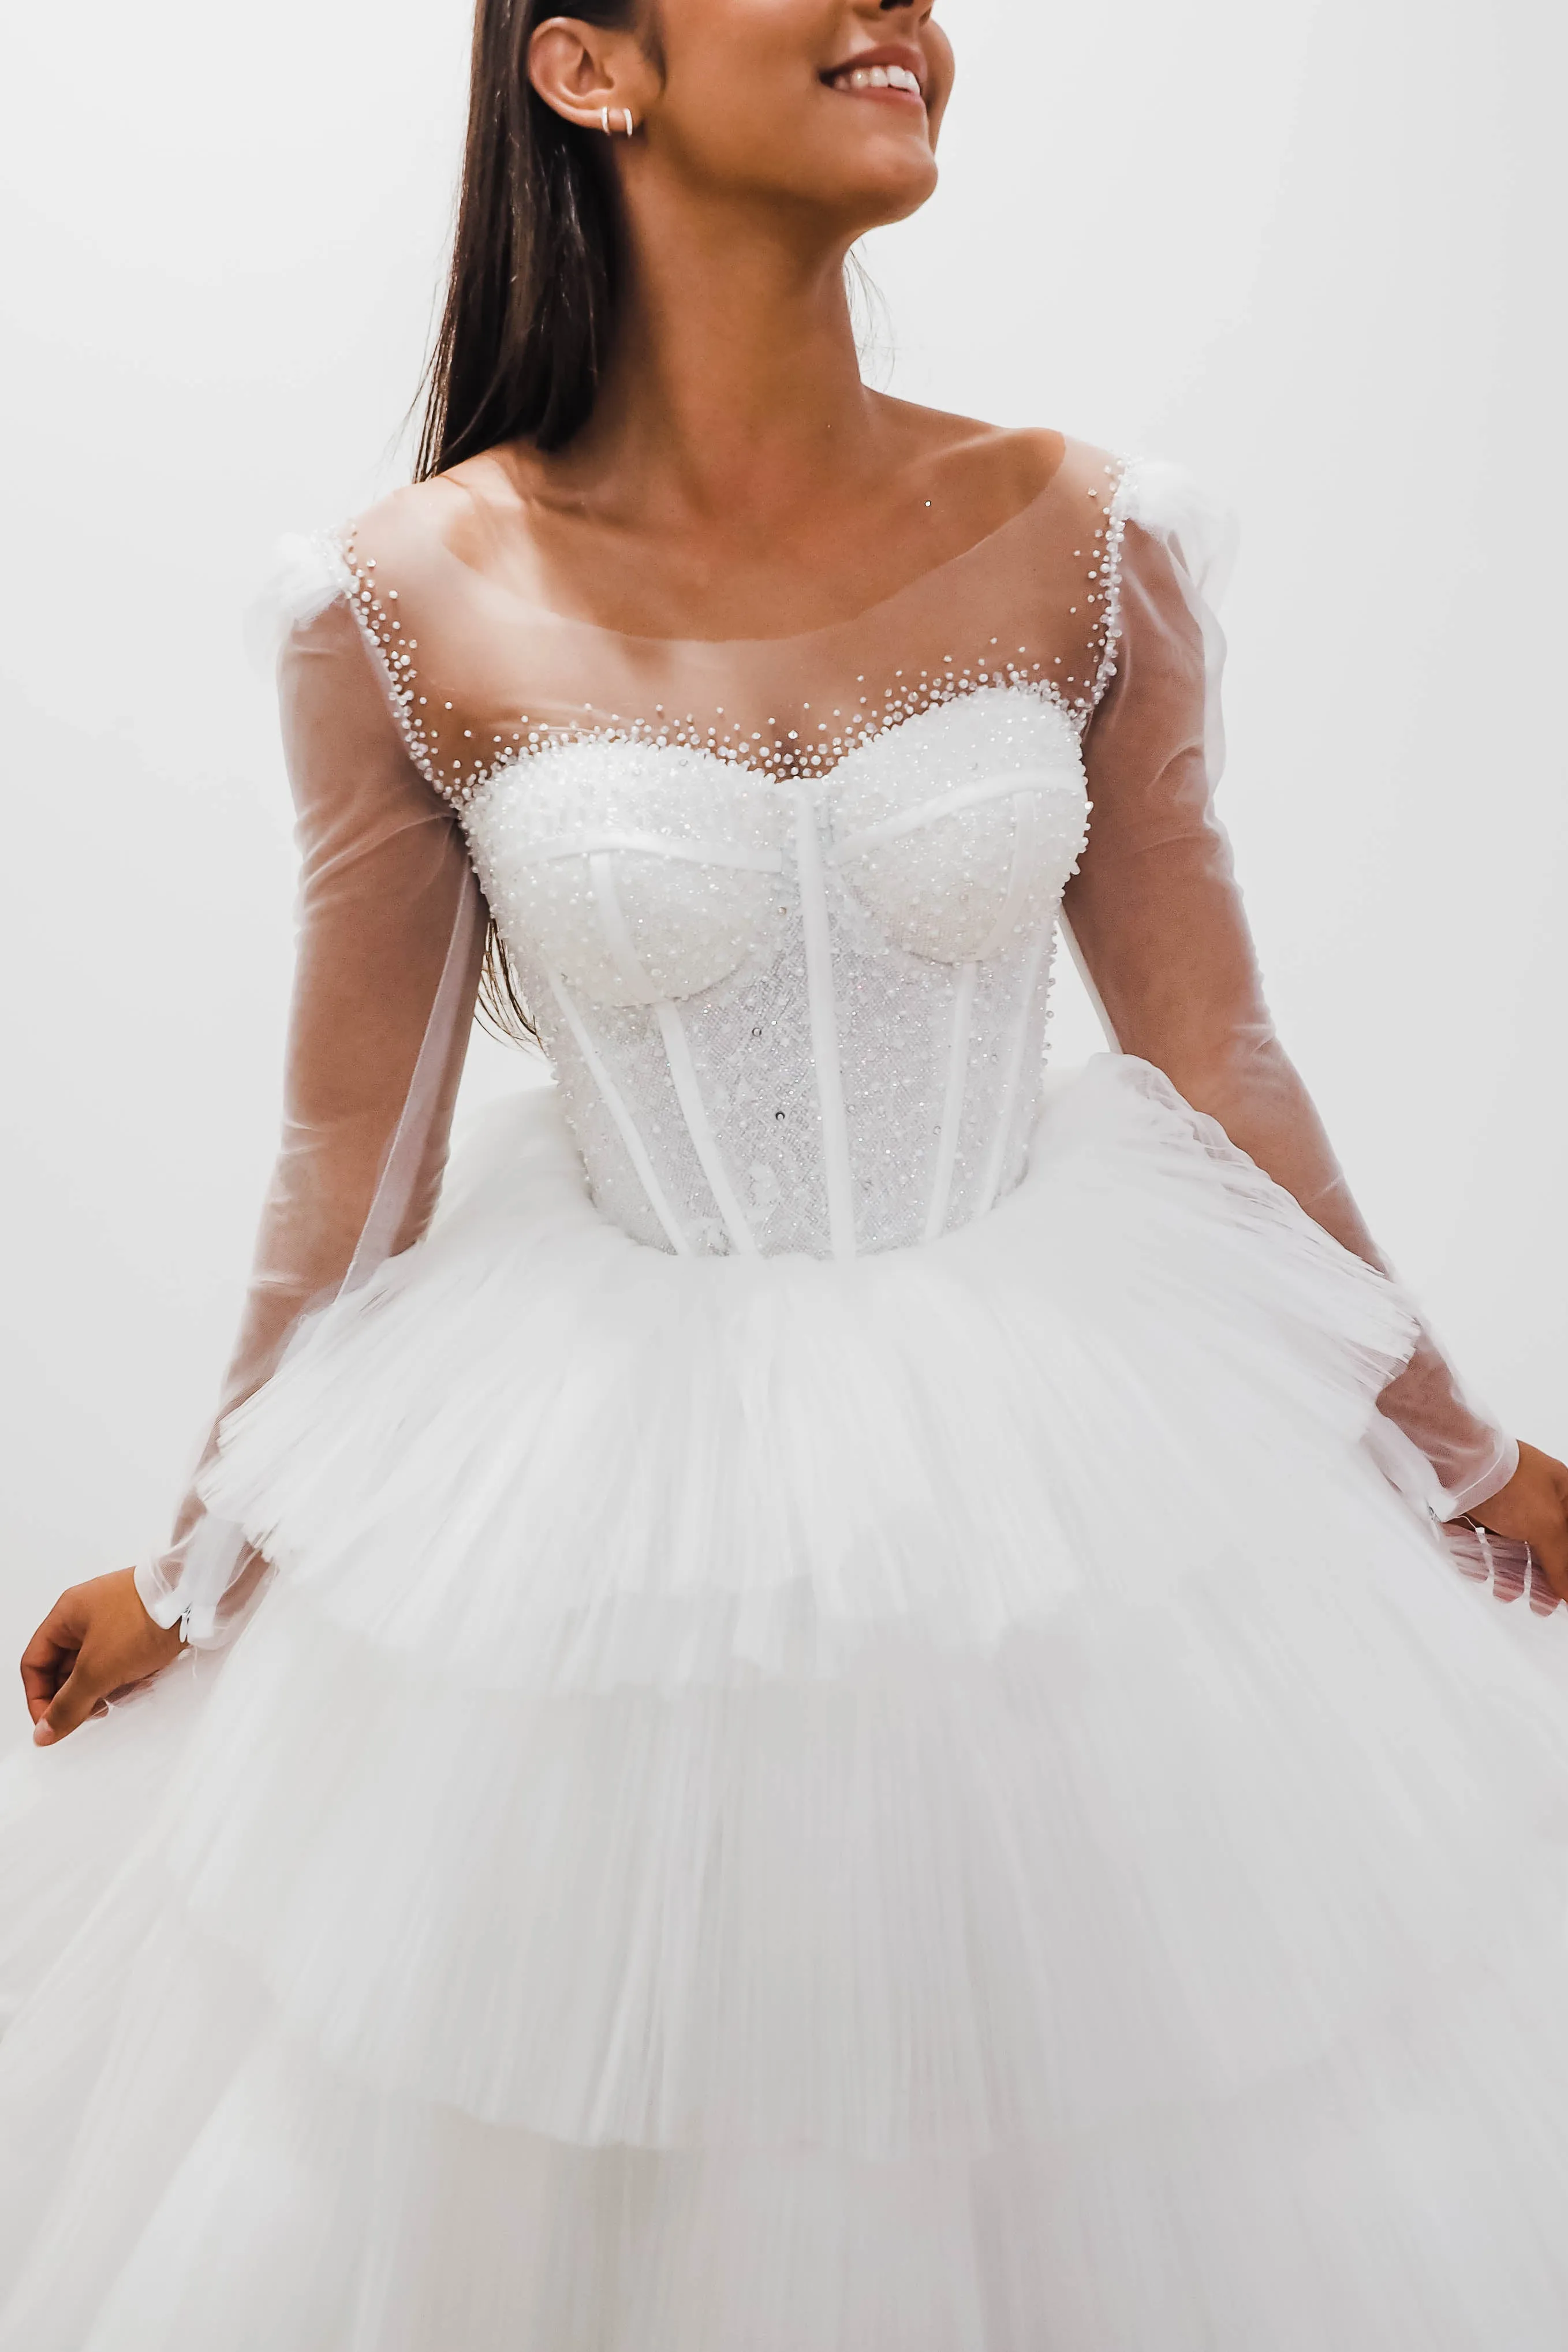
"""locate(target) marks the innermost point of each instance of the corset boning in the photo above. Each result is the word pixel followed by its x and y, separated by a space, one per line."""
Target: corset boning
pixel 793 1014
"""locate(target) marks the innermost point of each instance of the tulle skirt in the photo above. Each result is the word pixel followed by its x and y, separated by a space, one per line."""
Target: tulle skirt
pixel 935 1804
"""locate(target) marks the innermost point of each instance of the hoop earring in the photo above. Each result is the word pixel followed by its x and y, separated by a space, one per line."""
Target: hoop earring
pixel 626 116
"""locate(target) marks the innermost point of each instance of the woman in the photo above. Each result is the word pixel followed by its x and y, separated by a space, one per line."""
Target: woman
pixel 850 1729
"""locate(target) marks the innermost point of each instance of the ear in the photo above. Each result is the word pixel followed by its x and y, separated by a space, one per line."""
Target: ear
pixel 581 70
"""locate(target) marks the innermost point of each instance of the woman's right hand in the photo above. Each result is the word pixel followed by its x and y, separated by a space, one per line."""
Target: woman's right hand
pixel 96 1643
pixel 1533 1509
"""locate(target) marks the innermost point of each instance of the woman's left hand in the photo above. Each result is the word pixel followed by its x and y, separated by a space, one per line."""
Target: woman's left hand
pixel 1533 1508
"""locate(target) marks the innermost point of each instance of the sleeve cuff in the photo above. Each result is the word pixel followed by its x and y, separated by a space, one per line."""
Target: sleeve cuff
pixel 160 1598
pixel 1480 1490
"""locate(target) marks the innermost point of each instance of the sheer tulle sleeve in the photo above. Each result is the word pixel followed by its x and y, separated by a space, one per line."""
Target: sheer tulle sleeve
pixel 389 941
pixel 1157 924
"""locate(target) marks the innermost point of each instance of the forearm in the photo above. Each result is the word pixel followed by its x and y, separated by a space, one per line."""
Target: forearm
pixel 1254 1091
pixel 388 950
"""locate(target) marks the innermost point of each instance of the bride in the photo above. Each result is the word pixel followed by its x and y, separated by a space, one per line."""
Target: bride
pixel 827 1710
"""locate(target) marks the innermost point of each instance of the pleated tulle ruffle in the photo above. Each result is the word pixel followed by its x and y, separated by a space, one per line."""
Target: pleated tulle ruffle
pixel 944 1903
pixel 942 1804
pixel 1404 2192
pixel 546 1455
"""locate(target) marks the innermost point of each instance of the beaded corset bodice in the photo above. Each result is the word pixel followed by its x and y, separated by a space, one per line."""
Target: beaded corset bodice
pixel 783 911
pixel 798 1014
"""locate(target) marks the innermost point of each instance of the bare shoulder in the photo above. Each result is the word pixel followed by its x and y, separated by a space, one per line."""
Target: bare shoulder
pixel 937 439
pixel 999 466
pixel 1089 469
pixel 451 514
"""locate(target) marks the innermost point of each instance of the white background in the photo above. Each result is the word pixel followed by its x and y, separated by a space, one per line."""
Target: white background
pixel 1314 251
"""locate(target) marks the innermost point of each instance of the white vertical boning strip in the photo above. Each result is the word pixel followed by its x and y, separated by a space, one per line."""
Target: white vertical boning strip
pixel 1006 1109
pixel 676 1051
pixel 818 943
pixel 952 1100
pixel 1027 827
pixel 636 1151
pixel 704 1143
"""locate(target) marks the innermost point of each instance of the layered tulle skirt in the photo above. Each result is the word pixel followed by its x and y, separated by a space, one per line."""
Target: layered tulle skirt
pixel 936 1804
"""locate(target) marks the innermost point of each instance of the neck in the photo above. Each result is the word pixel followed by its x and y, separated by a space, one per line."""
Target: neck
pixel 735 386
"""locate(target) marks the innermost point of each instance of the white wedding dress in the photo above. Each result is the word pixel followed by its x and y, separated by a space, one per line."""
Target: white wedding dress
pixel 845 1727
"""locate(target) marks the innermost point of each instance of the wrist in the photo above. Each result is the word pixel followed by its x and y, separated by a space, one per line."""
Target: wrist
pixel 158 1597
pixel 1499 1473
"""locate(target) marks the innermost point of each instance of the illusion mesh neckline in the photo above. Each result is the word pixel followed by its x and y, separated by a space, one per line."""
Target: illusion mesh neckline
pixel 395 622
pixel 986 545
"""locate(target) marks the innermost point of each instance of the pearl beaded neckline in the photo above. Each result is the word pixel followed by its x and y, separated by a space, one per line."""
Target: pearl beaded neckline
pixel 773 747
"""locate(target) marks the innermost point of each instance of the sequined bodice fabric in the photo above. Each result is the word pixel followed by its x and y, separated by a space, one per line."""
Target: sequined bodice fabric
pixel 783 912
pixel 788 1015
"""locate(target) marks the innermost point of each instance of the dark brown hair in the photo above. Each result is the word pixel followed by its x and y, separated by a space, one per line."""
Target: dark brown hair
pixel 536 260
pixel 531 296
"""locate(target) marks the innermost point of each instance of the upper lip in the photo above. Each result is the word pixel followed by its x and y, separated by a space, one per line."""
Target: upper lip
pixel 889 53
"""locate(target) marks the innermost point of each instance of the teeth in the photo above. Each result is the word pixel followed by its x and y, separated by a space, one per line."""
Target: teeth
pixel 878 77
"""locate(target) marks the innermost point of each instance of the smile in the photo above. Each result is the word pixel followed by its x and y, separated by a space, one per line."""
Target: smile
pixel 864 80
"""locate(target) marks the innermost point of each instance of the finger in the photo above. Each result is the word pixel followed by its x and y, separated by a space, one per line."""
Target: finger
pixel 77 1698
pixel 1553 1558
pixel 1551 1549
pixel 45 1666
pixel 51 1653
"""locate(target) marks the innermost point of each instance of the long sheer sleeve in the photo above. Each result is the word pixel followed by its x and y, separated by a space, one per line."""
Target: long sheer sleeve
pixel 389 943
pixel 1157 923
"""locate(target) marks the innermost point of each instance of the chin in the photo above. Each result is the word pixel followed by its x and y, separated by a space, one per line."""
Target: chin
pixel 909 198
pixel 890 185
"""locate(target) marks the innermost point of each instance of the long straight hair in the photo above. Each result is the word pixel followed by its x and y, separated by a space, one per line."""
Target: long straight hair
pixel 537 260
pixel 533 297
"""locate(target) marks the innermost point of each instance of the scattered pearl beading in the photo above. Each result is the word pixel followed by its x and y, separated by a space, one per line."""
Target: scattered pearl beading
pixel 776 746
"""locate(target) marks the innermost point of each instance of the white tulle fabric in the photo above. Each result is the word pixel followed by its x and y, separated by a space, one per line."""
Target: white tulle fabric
pixel 849 1748
pixel 939 1802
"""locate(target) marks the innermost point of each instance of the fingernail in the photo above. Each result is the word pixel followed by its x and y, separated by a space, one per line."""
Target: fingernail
pixel 42 1735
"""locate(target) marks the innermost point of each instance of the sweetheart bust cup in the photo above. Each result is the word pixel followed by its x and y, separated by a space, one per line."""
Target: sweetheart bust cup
pixel 637 872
